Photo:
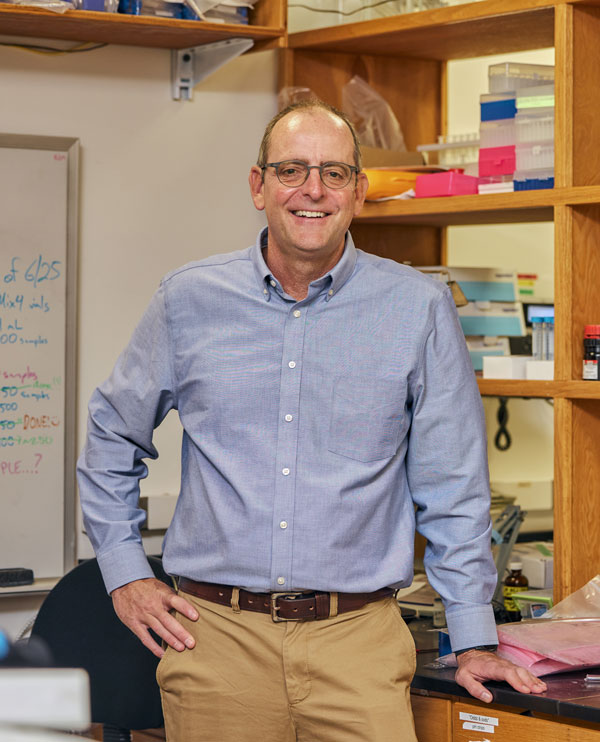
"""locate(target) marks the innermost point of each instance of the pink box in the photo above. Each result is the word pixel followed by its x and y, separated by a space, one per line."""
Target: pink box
pixel 497 160
pixel 445 184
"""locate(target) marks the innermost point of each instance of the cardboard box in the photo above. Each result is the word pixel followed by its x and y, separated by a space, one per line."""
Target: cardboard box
pixel 379 157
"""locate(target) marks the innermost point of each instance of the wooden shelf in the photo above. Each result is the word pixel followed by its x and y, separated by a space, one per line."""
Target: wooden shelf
pixel 118 28
pixel 455 32
pixel 497 208
pixel 548 389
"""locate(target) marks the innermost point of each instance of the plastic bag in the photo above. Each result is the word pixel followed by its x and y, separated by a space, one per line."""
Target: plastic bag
pixel 372 116
pixel 293 94
pixel 584 602
pixel 56 6
pixel 556 645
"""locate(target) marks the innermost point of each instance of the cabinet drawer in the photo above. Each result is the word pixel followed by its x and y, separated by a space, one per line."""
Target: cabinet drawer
pixel 473 723
pixel 433 718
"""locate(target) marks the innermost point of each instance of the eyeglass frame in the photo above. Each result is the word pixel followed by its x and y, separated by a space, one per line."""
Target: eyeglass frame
pixel 353 170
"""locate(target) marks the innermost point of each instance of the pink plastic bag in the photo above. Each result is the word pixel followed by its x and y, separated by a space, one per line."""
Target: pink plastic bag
pixel 550 646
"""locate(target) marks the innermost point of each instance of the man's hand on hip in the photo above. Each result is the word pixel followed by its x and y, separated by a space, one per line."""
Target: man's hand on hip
pixel 476 666
pixel 146 604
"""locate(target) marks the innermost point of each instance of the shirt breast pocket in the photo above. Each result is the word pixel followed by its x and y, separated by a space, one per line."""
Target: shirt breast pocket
pixel 366 417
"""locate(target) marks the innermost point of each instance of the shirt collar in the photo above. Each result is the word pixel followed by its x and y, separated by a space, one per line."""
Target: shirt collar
pixel 333 280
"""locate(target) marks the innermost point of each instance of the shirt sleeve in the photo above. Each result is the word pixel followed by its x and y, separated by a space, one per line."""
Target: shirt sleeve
pixel 123 413
pixel 449 481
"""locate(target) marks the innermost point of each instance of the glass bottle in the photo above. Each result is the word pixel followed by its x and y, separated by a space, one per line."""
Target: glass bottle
pixel 515 582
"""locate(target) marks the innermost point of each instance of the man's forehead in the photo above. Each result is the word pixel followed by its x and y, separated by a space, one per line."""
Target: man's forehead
pixel 300 123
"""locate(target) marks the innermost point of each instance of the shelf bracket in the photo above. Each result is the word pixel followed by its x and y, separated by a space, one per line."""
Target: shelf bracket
pixel 191 66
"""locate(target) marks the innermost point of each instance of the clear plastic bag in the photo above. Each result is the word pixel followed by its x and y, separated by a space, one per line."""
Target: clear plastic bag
pixel 56 6
pixel 372 116
pixel 583 603
pixel 294 94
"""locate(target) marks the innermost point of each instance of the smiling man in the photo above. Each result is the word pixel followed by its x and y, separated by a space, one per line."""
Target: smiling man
pixel 318 388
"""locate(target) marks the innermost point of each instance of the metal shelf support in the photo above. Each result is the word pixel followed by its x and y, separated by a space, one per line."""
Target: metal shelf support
pixel 191 66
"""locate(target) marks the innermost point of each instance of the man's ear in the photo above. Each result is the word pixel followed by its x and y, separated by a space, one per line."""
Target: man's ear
pixel 255 179
pixel 362 184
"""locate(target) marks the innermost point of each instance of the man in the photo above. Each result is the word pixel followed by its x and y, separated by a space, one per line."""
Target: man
pixel 323 394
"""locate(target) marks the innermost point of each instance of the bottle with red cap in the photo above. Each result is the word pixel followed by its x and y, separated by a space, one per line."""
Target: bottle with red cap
pixel 591 353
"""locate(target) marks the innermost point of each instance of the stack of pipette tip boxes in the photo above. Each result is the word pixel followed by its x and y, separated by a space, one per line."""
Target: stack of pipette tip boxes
pixel 516 136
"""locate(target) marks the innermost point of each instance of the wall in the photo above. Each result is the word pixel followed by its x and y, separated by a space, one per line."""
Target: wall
pixel 162 183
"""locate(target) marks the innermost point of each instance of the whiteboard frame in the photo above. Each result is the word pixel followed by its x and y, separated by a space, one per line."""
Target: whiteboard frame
pixel 70 146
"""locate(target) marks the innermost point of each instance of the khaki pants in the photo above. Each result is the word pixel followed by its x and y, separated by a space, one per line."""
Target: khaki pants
pixel 341 679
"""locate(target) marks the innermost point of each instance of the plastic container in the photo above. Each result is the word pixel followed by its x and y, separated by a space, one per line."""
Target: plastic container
pixel 496 184
pixel 535 155
pixel 531 180
pixel 516 75
pixel 537 338
pixel 455 151
pixel 107 6
pixel 445 184
pixel 516 582
pixel 538 97
pixel 500 133
pixel 497 161
pixel 498 106
pixel 534 125
pixel 548 339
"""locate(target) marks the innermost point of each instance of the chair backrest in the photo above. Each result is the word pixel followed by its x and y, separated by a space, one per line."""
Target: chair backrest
pixel 78 622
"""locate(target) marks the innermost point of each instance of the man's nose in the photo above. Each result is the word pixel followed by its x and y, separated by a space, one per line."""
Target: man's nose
pixel 313 185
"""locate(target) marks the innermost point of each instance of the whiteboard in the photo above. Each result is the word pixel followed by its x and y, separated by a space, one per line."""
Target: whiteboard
pixel 38 270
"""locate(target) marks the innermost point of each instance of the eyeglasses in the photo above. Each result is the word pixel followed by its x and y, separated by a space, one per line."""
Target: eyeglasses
pixel 294 173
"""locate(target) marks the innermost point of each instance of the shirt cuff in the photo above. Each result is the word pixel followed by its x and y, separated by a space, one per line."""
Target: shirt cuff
pixel 471 626
pixel 124 564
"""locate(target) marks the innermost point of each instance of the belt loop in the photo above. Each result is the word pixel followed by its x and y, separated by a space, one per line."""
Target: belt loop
pixel 333 605
pixel 235 600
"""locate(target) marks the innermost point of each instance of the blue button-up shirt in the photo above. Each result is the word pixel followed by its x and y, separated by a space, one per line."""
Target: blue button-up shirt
pixel 316 433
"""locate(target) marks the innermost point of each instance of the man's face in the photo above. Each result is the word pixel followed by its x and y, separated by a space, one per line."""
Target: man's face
pixel 310 219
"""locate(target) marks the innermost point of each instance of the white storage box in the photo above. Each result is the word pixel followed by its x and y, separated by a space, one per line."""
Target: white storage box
pixel 534 125
pixel 535 156
pixel 504 367
pixel 492 318
pixel 540 370
pixel 538 562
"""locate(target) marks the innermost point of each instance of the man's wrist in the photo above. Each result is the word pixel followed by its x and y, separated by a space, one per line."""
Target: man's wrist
pixel 478 648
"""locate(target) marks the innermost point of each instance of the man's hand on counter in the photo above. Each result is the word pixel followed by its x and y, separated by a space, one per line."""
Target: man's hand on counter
pixel 476 666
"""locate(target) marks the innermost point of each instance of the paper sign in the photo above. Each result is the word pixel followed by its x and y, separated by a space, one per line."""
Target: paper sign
pixel 487 728
pixel 479 719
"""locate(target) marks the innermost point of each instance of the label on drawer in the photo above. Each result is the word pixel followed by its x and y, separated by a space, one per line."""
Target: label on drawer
pixel 478 719
pixel 487 728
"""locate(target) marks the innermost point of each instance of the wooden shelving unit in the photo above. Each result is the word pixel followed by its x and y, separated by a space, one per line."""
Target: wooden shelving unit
pixel 267 27
pixel 404 58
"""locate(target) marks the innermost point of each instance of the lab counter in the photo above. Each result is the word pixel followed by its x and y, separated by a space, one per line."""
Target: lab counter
pixel 568 711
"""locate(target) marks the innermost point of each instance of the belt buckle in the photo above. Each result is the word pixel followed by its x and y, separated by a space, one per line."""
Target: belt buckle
pixel 275 608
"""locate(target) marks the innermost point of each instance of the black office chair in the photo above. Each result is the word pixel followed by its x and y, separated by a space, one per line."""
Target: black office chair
pixel 79 625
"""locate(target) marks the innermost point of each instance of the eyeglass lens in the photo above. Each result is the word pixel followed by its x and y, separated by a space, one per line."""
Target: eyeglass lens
pixel 333 174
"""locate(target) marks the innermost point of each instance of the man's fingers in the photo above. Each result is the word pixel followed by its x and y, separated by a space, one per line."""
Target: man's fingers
pixel 182 606
pixel 169 629
pixel 474 687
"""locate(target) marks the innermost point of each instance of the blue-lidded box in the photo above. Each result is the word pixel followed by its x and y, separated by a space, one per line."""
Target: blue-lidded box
pixel 497 106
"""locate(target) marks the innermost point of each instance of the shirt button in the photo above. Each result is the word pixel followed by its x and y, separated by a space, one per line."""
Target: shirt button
pixel 285 471
pixel 297 313
pixel 283 524
pixel 330 292
pixel 273 284
pixel 289 418
pixel 265 291
pixel 281 580
pixel 292 364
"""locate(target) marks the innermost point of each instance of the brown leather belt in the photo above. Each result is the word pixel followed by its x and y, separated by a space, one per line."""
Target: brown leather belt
pixel 283 606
